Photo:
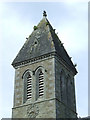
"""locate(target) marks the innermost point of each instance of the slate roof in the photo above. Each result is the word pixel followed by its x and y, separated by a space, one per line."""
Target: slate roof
pixel 43 40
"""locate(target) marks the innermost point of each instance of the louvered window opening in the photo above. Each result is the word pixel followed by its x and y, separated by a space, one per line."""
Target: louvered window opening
pixel 41 83
pixel 29 87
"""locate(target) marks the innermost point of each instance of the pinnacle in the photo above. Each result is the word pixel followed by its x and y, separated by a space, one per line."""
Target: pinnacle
pixel 44 14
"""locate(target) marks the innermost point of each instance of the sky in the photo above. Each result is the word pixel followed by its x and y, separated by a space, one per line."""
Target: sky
pixel 16 23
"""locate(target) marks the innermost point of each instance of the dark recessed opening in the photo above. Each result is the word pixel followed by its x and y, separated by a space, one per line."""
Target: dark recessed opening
pixel 35 42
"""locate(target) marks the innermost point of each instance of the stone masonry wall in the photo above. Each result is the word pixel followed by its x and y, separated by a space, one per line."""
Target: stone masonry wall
pixel 44 107
pixel 63 110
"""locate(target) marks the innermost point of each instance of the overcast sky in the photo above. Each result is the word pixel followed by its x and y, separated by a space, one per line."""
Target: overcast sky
pixel 16 23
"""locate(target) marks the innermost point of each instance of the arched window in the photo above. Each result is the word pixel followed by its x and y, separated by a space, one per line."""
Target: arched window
pixel 63 87
pixel 39 83
pixel 27 86
pixel 69 91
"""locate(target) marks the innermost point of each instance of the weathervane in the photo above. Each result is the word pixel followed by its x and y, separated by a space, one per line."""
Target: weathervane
pixel 44 14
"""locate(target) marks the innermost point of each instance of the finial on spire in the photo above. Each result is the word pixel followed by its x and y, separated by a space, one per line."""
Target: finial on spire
pixel 44 14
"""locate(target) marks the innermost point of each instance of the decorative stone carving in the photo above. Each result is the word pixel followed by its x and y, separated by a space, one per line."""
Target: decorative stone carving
pixel 32 111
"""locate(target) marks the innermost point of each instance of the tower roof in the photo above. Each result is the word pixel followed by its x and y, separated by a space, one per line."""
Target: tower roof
pixel 43 40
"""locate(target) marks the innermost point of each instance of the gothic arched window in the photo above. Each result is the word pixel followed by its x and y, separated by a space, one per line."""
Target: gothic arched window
pixel 27 85
pixel 39 83
pixel 63 87
pixel 69 91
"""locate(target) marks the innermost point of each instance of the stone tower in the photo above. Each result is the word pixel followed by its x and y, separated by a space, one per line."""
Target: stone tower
pixel 44 77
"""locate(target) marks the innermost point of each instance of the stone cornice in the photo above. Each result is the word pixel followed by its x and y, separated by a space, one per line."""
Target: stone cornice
pixel 44 57
pixel 33 60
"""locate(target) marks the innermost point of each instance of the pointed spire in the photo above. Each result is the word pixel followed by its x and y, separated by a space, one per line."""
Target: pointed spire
pixel 44 14
pixel 48 43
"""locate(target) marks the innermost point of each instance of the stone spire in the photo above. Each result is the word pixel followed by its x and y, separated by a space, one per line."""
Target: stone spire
pixel 42 41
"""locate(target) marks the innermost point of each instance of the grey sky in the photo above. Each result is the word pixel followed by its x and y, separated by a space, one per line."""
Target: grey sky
pixel 70 21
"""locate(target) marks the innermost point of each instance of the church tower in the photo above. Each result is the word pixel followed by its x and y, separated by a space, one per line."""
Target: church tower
pixel 44 76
